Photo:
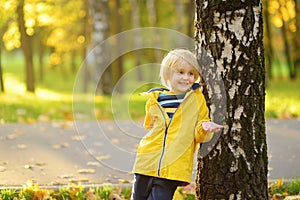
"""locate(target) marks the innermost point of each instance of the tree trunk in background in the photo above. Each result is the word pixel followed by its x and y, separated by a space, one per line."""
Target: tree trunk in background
pixel 135 18
pixel 190 10
pixel 41 48
pixel 231 33
pixel 118 72
pixel 26 48
pixel 296 38
pixel 268 41
pixel 153 19
pixel 286 44
pixel 99 11
pixel 86 31
pixel 179 15
pixel 2 89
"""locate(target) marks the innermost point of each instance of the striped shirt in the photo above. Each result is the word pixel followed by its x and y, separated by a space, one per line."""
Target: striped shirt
pixel 170 102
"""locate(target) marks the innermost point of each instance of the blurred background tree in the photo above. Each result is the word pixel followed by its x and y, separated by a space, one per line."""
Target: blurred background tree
pixel 61 33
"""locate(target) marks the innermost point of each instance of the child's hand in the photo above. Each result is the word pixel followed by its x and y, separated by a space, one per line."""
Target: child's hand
pixel 211 127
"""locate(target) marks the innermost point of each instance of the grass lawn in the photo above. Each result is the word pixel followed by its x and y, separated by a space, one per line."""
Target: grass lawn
pixel 53 99
pixel 283 99
pixel 16 105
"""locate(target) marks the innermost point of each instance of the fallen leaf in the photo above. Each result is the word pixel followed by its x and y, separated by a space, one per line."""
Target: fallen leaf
pixel 98 144
pixel 86 171
pixel 43 118
pixel 2 169
pixel 65 144
pixel 21 146
pixel 66 176
pixel 59 146
pixel 104 157
pixel 28 166
pixel 96 164
pixel 270 168
pixel 30 120
pixel 40 164
pixel 84 179
pixel 123 181
pixel 77 181
pixel 115 141
pixel 11 136
pixel 110 127
pixel 78 137
pixel 56 182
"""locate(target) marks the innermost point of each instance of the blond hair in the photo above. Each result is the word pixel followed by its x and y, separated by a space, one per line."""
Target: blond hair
pixel 174 59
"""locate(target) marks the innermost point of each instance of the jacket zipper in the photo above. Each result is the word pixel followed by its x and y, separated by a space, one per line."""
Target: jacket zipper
pixel 166 133
pixel 164 142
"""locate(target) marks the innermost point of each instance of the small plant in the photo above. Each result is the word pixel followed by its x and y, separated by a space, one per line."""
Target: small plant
pixel 77 192
pixel 126 193
pixel 103 192
pixel 62 194
pixel 7 194
pixel 33 191
pixel 289 188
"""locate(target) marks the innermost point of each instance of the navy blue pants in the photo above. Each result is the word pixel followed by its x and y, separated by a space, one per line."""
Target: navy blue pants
pixel 153 188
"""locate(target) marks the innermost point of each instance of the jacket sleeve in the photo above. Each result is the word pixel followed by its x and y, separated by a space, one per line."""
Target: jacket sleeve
pixel 200 134
pixel 148 122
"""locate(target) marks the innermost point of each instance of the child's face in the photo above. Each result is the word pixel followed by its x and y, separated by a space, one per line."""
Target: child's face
pixel 182 78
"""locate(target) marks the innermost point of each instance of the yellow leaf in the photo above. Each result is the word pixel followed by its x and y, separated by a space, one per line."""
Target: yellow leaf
pixel 104 157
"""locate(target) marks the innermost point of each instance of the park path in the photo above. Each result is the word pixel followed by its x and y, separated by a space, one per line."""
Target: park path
pixel 94 153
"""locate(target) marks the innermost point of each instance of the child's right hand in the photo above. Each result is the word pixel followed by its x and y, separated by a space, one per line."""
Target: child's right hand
pixel 211 127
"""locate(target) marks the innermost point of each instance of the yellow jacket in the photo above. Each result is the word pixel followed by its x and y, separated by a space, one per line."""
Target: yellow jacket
pixel 167 150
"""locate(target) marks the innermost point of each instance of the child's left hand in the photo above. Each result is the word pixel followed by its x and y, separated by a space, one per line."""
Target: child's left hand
pixel 211 127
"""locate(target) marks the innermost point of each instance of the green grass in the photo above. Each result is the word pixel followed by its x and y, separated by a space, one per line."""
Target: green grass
pixel 16 105
pixel 285 188
pixel 283 99
pixel 53 98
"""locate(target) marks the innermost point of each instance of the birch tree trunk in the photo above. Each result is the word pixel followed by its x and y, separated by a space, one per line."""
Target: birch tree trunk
pixel 231 33
pixel 99 10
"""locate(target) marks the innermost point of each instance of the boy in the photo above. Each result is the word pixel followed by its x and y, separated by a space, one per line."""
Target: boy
pixel 177 119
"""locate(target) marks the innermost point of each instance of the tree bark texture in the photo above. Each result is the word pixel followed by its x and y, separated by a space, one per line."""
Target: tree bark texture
pixel 26 48
pixel 229 36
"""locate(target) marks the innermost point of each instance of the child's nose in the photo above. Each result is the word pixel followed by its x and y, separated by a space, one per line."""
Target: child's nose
pixel 185 76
